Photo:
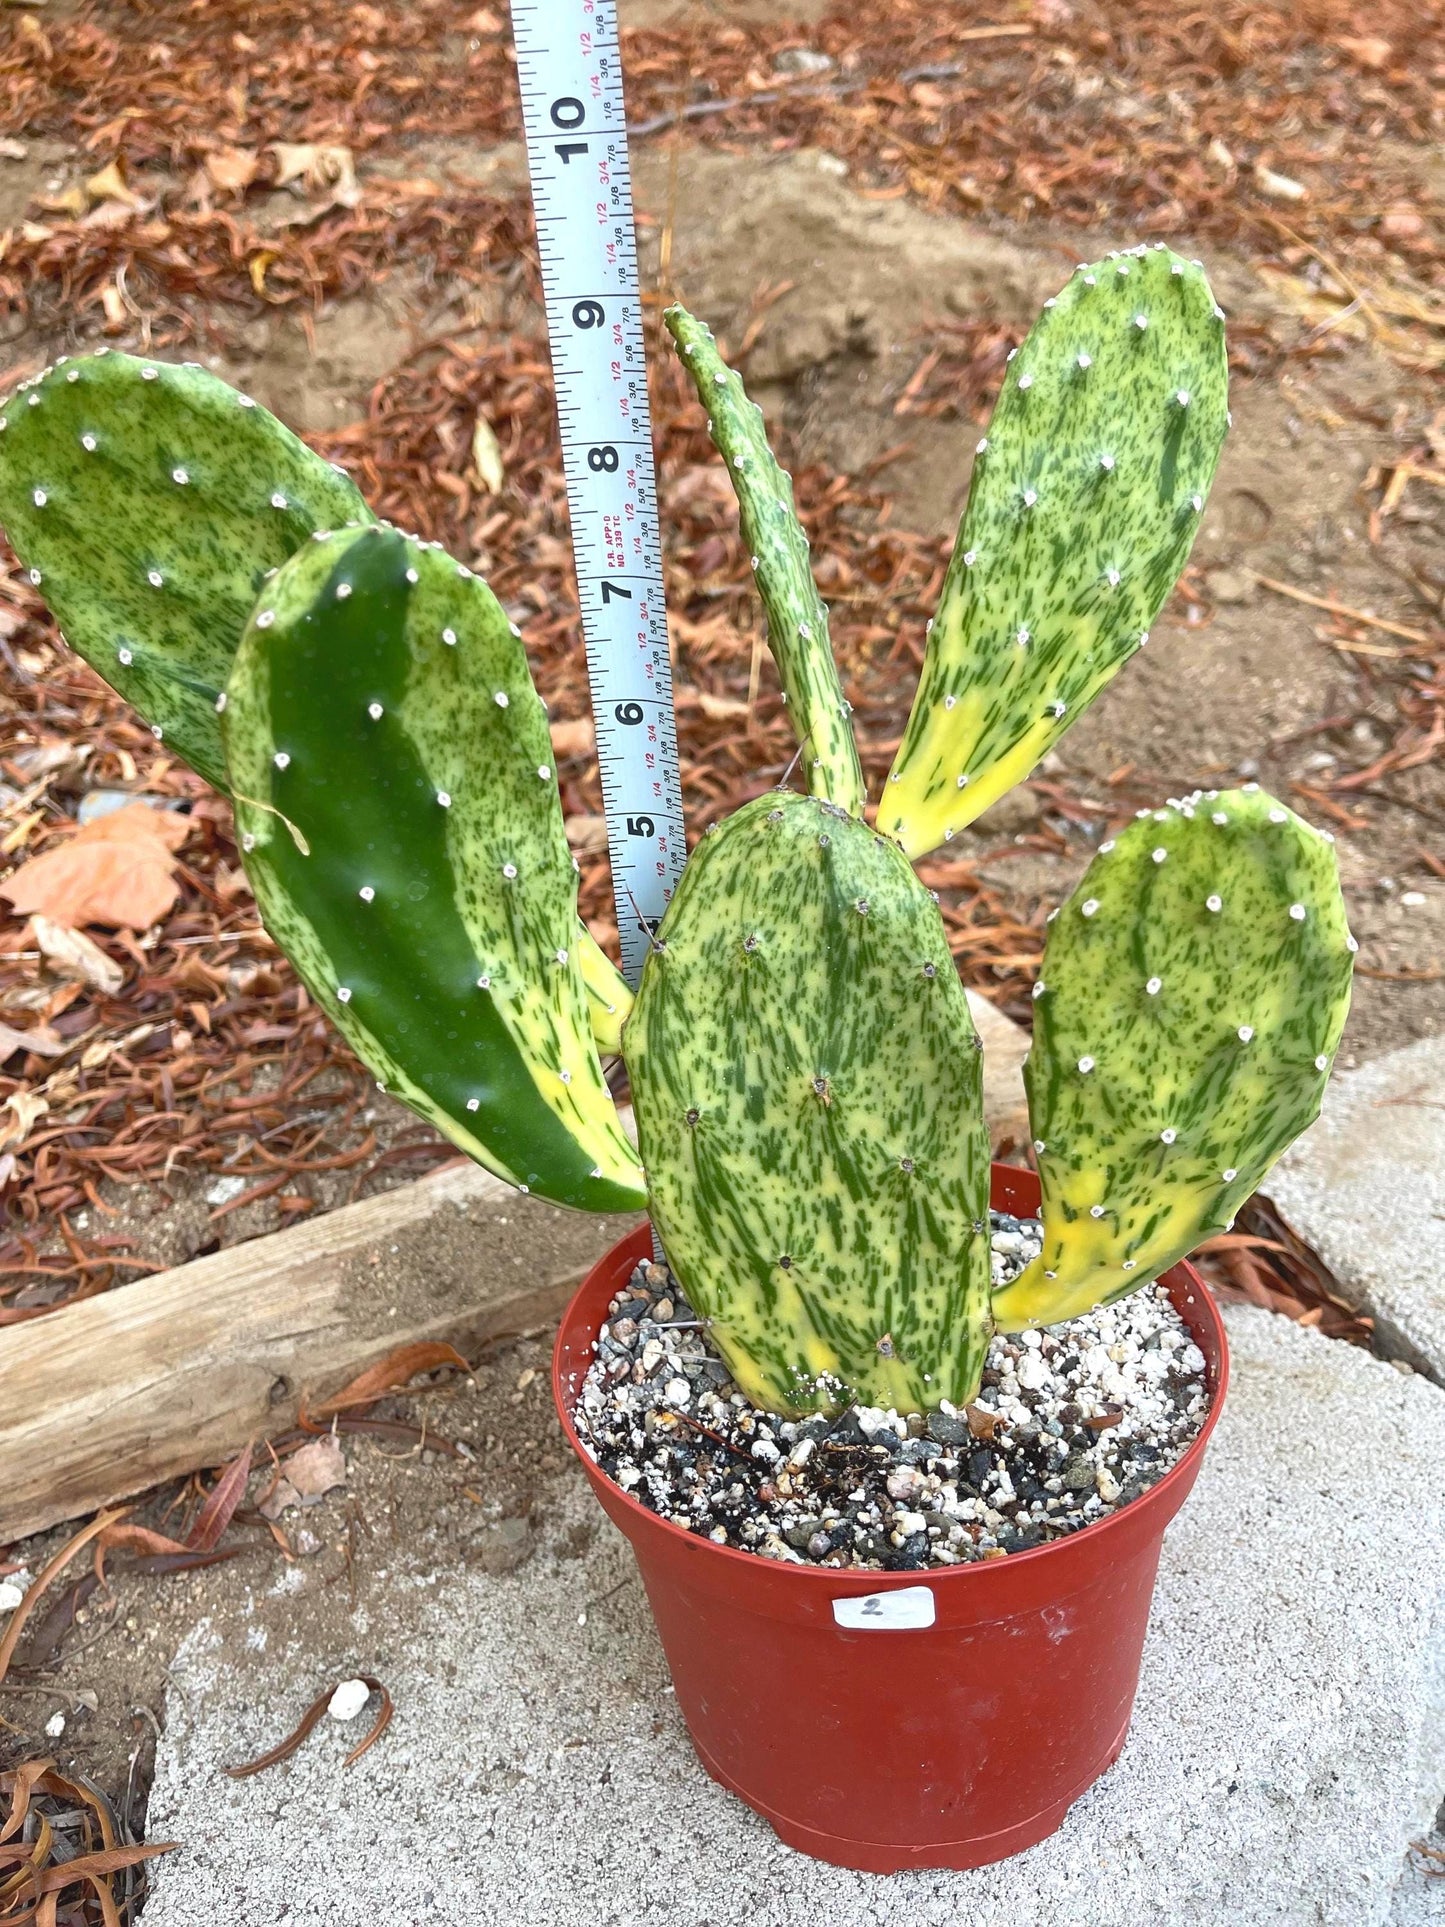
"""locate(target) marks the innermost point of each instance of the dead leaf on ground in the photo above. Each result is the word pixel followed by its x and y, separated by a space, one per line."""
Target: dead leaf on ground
pixel 46 1577
pixel 73 1839
pixel 215 1515
pixel 118 870
pixel 40 1038
pixel 309 1719
pixel 318 1468
pixel 30 29
pixel 109 185
pixel 70 953
pixel 1279 187
pixel 487 456
pixel 723 709
pixel 586 834
pixel 326 172
pixel 390 1373
pixel 24 1109
pixel 232 169
pixel 1370 51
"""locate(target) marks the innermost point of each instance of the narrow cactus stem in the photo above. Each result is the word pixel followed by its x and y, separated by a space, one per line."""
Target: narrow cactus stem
pixel 1191 1001
pixel 1085 499
pixel 797 616
pixel 808 1091
pixel 401 827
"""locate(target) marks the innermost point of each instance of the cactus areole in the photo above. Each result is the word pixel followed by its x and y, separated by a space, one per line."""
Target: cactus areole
pixel 805 1074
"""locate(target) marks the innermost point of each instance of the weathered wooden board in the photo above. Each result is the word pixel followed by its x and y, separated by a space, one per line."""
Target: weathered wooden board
pixel 177 1371
pixel 153 1380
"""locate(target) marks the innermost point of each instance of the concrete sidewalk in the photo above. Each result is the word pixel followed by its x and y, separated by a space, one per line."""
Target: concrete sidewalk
pixel 1289 1739
pixel 1366 1186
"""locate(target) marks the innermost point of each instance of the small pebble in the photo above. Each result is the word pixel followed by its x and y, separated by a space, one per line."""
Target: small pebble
pixel 348 1699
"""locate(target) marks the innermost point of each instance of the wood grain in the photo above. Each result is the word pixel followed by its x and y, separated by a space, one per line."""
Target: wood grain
pixel 155 1379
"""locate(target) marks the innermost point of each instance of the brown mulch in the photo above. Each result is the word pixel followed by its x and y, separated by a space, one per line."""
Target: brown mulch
pixel 1145 117
pixel 68 1856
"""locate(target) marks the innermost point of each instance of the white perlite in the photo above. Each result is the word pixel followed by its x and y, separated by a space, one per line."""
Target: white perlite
pixel 1288 1741
pixel 1366 1187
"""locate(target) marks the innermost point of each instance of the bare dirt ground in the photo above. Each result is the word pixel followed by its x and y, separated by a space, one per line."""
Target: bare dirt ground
pixel 835 292
pixel 98 1659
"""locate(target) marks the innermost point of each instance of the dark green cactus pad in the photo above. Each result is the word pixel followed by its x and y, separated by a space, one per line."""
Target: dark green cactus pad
pixel 807 1085
pixel 1193 993
pixel 797 615
pixel 149 502
pixel 400 823
pixel 1084 503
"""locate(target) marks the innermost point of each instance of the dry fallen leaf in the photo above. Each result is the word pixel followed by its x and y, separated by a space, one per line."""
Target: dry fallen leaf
pixel 118 870
pixel 310 1719
pixel 24 1109
pixel 31 30
pixel 1402 222
pixel 71 201
pixel 321 170
pixel 1279 187
pixel 40 1038
pixel 487 457
pixel 722 709
pixel 318 1468
pixel 70 953
pixel 109 185
pixel 398 1368
pixel 586 834
pixel 232 169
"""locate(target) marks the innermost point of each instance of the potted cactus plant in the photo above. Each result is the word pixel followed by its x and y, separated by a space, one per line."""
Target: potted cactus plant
pixel 805 1073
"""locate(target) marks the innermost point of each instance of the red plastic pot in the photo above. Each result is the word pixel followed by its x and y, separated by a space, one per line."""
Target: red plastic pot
pixel 960 1735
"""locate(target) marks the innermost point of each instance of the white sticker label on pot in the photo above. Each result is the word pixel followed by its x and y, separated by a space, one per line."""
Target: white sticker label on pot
pixel 908 1606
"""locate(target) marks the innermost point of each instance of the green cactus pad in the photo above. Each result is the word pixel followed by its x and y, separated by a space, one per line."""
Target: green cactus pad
pixel 393 783
pixel 1193 992
pixel 797 615
pixel 149 502
pixel 1086 495
pixel 807 1085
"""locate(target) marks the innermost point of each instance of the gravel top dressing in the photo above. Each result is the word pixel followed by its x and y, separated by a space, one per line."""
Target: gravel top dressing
pixel 1070 1425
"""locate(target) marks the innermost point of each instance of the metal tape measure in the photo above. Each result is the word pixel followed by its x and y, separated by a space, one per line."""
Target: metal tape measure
pixel 569 64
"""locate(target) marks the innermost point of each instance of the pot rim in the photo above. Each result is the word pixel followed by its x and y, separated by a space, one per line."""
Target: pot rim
pixel 1182 1282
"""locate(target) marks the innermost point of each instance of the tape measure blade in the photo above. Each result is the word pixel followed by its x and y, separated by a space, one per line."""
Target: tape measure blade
pixel 570 72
